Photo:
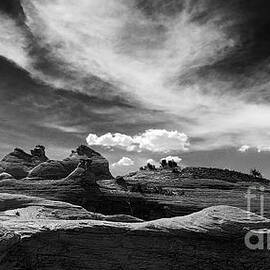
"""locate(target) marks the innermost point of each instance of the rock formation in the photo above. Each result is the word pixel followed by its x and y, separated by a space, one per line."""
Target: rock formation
pixel 72 214
pixel 19 163
pixel 34 236
pixel 84 179
pixel 54 169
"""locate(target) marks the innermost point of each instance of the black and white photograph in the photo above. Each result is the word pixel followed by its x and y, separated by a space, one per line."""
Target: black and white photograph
pixel 134 134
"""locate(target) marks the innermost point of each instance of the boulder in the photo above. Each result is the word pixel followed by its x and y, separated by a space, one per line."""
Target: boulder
pixel 19 163
pixel 54 169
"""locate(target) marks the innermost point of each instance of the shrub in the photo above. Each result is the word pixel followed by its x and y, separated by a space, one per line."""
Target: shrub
pixel 140 188
pixel 172 164
pixel 163 163
pixel 151 167
pixel 256 173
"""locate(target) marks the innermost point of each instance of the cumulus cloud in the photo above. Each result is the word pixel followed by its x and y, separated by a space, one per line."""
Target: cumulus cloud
pixel 259 149
pixel 124 161
pixel 244 148
pixel 172 158
pixel 263 149
pixel 154 140
pixel 152 162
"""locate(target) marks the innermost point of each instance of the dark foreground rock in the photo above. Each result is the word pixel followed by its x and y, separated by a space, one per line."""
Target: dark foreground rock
pixel 210 239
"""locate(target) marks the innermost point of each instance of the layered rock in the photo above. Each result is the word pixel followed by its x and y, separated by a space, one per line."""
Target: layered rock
pixel 21 207
pixel 221 174
pixel 54 169
pixel 19 163
pixel 210 239
pixel 4 176
pixel 174 197
pixel 72 214
pixel 145 194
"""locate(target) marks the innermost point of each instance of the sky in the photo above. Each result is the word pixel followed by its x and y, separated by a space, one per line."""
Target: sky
pixel 138 80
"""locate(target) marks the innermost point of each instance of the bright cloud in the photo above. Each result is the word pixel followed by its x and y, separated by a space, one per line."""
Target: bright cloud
pixel 152 162
pixel 244 148
pixel 154 140
pixel 13 42
pixel 263 149
pixel 259 149
pixel 150 61
pixel 124 161
pixel 172 158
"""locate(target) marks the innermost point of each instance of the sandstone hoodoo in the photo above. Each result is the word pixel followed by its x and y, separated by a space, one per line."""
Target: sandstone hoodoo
pixel 18 163
pixel 55 169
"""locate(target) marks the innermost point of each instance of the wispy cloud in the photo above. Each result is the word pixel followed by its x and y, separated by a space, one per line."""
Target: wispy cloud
pixel 177 63
pixel 13 44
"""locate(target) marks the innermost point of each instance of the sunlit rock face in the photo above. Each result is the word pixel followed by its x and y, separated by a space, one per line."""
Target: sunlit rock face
pixel 58 235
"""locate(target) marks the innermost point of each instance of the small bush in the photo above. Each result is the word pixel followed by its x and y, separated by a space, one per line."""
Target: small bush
pixel 138 188
pixel 175 170
pixel 163 163
pixel 151 167
pixel 256 173
pixel 172 164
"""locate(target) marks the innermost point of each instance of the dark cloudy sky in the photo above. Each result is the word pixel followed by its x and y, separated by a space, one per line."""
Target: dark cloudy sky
pixel 138 80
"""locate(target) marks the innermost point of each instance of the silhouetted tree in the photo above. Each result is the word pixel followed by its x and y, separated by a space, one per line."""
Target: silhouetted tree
pixel 151 166
pixel 256 173
pixel 172 164
pixel 163 163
